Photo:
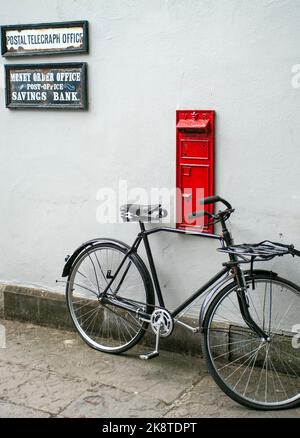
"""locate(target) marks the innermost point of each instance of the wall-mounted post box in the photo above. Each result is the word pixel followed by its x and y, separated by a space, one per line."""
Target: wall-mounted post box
pixel 194 166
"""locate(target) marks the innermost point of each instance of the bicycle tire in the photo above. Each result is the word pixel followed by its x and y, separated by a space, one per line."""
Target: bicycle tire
pixel 149 301
pixel 208 352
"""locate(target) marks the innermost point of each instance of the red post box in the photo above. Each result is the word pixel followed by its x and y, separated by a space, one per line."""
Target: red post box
pixel 194 165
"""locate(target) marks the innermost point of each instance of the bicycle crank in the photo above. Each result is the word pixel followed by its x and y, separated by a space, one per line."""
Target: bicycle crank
pixel 162 325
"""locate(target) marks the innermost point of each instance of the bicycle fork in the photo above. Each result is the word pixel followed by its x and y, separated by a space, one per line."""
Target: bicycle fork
pixel 244 304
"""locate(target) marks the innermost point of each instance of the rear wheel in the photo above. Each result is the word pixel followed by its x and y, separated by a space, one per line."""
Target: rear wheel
pixel 254 372
pixel 108 327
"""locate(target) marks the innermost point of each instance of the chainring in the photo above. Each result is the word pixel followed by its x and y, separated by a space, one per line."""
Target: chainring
pixel 162 322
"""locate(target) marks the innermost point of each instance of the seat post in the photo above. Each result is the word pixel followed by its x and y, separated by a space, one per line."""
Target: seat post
pixel 152 265
pixel 142 226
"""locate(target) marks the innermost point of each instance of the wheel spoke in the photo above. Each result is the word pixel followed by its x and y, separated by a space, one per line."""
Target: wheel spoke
pixel 107 327
pixel 267 374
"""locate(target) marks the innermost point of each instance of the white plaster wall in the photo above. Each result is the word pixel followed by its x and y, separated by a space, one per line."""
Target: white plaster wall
pixel 148 58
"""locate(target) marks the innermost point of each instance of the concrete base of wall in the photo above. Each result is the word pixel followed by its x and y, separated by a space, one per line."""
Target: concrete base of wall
pixel 50 309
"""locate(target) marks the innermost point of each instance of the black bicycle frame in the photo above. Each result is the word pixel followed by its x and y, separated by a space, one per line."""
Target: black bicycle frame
pixel 231 266
pixel 143 236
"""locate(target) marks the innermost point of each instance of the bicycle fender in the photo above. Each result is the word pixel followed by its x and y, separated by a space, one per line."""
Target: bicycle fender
pixel 261 271
pixel 211 295
pixel 70 260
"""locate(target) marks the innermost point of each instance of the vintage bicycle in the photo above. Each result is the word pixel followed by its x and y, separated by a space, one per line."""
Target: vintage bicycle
pixel 248 322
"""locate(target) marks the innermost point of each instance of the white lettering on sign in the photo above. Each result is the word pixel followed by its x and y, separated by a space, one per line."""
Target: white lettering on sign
pixel 20 77
pixel 45 39
pixel 42 77
pixel 68 76
pixel 67 96
pixel 22 96
pixel 46 77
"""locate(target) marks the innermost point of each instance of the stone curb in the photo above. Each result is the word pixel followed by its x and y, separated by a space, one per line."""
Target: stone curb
pixel 49 309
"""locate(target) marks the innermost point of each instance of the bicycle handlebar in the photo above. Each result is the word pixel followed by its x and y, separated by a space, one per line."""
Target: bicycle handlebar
pixel 213 200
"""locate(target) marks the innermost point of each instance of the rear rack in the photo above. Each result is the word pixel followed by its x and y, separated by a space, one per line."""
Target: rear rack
pixel 262 251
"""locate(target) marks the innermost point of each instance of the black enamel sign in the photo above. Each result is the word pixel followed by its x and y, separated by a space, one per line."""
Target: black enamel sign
pixel 46 86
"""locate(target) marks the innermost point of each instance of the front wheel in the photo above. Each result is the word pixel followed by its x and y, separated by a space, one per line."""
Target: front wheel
pixel 106 325
pixel 256 373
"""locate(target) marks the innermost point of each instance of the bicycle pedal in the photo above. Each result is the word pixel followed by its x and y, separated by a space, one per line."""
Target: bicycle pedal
pixel 150 355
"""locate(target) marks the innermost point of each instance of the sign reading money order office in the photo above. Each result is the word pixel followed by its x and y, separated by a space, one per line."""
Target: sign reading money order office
pixel 44 39
pixel 46 86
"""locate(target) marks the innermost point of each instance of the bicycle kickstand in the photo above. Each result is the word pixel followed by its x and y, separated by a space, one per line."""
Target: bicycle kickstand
pixel 155 353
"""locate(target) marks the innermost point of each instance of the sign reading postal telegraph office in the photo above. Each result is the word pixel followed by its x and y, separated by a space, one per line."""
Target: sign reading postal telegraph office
pixel 44 39
pixel 46 86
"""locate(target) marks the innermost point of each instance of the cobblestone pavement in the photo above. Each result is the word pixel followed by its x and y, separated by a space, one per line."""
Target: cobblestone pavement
pixel 51 373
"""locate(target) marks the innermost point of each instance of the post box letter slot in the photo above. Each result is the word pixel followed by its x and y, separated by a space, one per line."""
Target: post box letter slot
pixel 199 125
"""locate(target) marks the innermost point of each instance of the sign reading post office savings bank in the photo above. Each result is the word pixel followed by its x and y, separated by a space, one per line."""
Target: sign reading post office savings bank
pixel 46 86
pixel 44 39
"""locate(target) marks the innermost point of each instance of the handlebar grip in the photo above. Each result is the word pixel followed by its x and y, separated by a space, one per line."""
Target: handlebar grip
pixel 210 200
pixel 213 200
pixel 296 252
pixel 199 213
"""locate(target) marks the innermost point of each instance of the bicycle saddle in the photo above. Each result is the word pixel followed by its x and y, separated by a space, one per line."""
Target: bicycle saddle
pixel 143 213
